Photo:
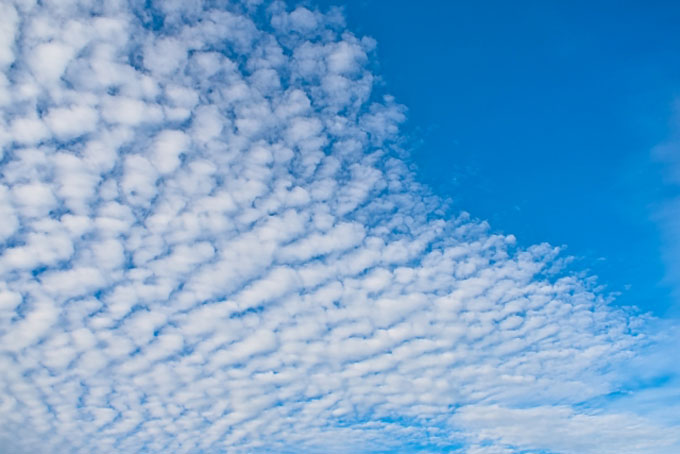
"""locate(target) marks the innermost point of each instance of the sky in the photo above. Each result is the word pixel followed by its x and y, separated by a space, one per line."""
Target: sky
pixel 539 117
pixel 269 227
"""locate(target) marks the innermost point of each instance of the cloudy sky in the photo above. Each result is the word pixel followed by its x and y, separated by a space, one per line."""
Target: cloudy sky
pixel 264 227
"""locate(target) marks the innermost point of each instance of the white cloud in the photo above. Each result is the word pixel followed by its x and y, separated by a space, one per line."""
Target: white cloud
pixel 71 122
pixel 9 22
pixel 34 199
pixel 48 61
pixel 28 130
pixel 210 245
pixel 129 111
pixel 168 145
pixel 561 429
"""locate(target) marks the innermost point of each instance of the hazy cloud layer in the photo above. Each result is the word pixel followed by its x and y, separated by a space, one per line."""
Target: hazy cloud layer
pixel 210 245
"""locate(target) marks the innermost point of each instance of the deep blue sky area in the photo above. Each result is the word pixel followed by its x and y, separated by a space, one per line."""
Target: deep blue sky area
pixel 540 118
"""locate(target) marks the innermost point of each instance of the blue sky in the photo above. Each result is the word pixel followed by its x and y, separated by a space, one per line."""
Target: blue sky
pixel 540 117
pixel 262 227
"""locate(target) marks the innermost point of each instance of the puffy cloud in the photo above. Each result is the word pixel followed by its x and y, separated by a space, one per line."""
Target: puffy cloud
pixel 71 122
pixel 10 20
pixel 211 245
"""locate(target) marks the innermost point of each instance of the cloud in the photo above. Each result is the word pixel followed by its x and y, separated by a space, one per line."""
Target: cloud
pixel 211 245
pixel 499 429
pixel 667 213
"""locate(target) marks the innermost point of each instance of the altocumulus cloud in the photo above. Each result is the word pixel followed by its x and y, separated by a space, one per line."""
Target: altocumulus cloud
pixel 210 245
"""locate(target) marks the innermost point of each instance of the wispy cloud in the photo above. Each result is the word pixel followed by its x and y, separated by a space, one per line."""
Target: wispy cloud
pixel 667 213
pixel 210 245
